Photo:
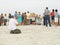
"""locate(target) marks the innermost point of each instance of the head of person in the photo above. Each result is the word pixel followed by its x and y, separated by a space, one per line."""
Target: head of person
pixel 15 11
pixel 56 10
pixel 24 12
pixel 52 10
pixel 9 15
pixel 46 7
pixel 1 14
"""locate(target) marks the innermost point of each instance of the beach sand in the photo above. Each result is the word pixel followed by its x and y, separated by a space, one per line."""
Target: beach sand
pixel 31 35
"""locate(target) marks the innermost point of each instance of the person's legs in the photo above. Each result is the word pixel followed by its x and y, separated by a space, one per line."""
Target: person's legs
pixel 56 21
pixel 30 21
pixel 49 21
pixel 53 20
pixel 46 20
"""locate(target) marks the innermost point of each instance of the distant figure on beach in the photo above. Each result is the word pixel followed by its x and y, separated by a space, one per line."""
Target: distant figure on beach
pixel 15 15
pixel 19 18
pixel 28 17
pixel 56 17
pixel 59 19
pixel 12 26
pixel 5 19
pixel 12 23
pixel 36 19
pixel 24 17
pixel 47 17
pixel 52 16
pixel 1 19
pixel 40 19
pixel 32 17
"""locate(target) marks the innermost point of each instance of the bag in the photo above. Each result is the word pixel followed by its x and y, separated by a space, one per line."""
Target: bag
pixel 16 31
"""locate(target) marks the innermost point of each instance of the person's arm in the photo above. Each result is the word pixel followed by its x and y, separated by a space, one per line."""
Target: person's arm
pixel 16 22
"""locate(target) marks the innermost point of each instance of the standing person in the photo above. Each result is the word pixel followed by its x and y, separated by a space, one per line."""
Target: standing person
pixel 32 18
pixel 40 19
pixel 28 17
pixel 24 18
pixel 56 17
pixel 47 17
pixel 5 19
pixel 59 19
pixel 15 15
pixel 2 19
pixel 36 19
pixel 9 16
pixel 19 19
pixel 52 16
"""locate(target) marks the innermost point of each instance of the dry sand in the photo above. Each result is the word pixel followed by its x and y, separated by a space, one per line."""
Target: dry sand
pixel 31 35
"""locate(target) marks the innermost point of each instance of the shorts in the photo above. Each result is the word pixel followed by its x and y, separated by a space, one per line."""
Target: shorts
pixel 33 21
pixel 52 17
pixel 56 19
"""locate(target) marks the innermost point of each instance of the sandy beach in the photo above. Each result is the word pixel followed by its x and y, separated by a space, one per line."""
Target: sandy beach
pixel 31 35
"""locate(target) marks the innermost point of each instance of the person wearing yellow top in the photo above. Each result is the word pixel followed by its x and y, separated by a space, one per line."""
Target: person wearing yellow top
pixel 28 17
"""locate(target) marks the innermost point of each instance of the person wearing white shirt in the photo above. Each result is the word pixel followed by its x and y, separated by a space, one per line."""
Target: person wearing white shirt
pixel 12 23
pixel 28 17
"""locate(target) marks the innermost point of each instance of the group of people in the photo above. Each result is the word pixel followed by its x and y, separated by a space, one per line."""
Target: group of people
pixel 27 18
pixel 51 18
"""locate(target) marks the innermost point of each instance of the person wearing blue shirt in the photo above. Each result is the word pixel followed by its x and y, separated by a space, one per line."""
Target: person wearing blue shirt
pixel 15 14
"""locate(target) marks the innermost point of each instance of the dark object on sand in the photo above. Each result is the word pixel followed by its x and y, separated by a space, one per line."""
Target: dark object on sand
pixel 16 31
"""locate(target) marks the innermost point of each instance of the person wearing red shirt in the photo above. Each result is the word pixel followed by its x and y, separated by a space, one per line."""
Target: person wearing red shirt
pixel 52 16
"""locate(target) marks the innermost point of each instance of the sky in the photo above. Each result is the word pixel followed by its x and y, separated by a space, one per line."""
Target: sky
pixel 37 6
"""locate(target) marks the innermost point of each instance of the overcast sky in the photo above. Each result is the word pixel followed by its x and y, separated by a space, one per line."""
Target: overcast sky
pixel 36 6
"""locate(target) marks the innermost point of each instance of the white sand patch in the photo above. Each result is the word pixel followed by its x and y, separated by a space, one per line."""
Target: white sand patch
pixel 31 35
